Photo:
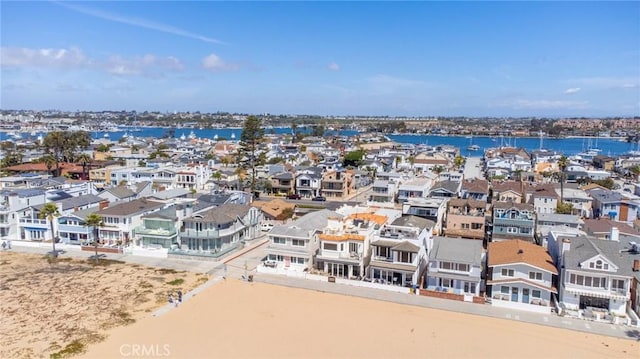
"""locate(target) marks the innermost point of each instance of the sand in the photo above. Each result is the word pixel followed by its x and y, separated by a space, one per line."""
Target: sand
pixel 235 319
pixel 46 306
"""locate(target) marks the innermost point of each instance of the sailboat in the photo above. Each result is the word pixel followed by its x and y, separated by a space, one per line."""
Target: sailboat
pixel 471 146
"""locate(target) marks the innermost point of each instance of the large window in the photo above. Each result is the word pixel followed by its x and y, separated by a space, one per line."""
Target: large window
pixel 404 257
pixel 593 282
pixel 507 272
pixel 535 275
pixel 460 267
pixel 469 287
pixel 279 240
pixel 617 284
pixel 535 293
pixel 353 247
pixel 297 242
pixel 330 246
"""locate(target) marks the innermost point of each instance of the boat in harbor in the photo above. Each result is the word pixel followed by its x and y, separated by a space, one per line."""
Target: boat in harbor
pixel 473 148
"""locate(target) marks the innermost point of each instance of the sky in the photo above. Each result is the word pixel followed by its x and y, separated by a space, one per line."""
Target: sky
pixel 475 59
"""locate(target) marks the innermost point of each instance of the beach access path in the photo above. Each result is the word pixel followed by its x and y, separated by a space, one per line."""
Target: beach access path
pixel 552 320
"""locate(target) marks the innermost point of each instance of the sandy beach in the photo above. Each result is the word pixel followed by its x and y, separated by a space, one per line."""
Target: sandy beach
pixel 47 306
pixel 235 319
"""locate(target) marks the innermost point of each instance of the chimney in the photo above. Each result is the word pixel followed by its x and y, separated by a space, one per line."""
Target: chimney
pixel 636 265
pixel 566 244
pixel 103 204
pixel 615 234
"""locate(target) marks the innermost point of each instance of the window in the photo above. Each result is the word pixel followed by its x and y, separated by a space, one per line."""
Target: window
pixel 279 240
pixel 297 242
pixel 507 272
pixel 465 225
pixel 617 285
pixel 447 283
pixel 469 287
pixel 512 230
pixel 504 289
pixel 330 246
pixel 535 275
pixel 535 293
pixel 460 267
pixel 598 264
pixel 404 257
pixel 353 247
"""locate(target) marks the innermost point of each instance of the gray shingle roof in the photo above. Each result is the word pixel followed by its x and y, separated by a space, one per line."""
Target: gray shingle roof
pixel 450 186
pixel 413 221
pixel 131 208
pixel 226 213
pixel 121 192
pixel 456 250
pixel 583 248
pixel 311 222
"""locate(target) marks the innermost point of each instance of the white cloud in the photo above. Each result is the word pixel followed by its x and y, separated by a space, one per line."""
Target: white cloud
pixel 214 63
pixel 333 67
pixel 572 90
pixel 138 22
pixel 144 65
pixel 74 59
pixel 57 58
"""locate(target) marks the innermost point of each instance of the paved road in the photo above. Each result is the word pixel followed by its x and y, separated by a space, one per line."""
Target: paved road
pixel 472 168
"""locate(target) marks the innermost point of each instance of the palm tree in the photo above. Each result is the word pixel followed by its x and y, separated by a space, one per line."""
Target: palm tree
pixel 438 169
pixel 85 159
pixel 94 220
pixel 563 162
pixel 49 161
pixel 458 161
pixel 49 211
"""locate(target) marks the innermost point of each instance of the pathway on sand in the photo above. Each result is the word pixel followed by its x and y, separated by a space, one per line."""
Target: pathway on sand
pixel 552 320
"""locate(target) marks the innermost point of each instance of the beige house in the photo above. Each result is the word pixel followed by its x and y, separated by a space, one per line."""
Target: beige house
pixel 336 184
pixel 507 191
pixel 466 218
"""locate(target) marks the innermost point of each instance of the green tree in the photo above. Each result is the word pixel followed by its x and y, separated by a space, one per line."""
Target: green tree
pixel 285 214
pixel 438 169
pixel 458 161
pixel 252 135
pixel 63 145
pixel 563 162
pixel 48 212
pixel 564 208
pixel 353 158
pixel 317 131
pixel 95 221
pixel 85 160
pixel 12 154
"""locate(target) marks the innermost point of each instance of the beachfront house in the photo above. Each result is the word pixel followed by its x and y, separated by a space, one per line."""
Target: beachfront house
pixel 218 230
pixel 520 275
pixel 15 205
pixel 158 229
pixel 597 276
pixel 344 244
pixel 121 219
pixel 513 221
pixel 293 246
pixel 399 251
pixel 466 218
pixel 607 203
pixel 455 266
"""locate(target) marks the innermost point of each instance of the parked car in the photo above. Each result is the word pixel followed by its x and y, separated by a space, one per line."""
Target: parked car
pixel 266 227
pixel 293 196
pixel 319 198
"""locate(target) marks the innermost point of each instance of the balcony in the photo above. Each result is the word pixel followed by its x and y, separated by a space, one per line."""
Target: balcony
pixel 156 232
pixel 34 223
pixel 339 255
pixel 211 234
pixel 74 229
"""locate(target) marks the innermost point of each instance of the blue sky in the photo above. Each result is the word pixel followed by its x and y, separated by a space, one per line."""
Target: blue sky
pixel 327 58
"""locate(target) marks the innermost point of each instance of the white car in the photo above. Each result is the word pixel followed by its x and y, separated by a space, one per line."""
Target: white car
pixel 266 227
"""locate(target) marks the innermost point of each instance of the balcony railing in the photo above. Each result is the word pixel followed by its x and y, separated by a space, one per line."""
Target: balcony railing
pixel 160 232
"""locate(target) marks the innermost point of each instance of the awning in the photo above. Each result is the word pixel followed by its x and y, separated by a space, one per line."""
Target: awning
pixel 36 229
pixel 598 294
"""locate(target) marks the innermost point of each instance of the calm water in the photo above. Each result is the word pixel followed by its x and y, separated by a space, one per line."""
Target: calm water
pixel 569 146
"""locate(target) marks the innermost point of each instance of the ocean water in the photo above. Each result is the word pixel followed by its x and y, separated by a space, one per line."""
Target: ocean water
pixel 568 146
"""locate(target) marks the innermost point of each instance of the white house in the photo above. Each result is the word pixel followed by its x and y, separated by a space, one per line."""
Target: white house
pixel 520 276
pixel 455 266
